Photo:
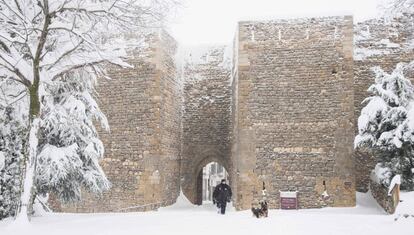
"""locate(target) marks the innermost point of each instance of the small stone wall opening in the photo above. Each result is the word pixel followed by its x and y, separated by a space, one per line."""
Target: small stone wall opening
pixel 212 174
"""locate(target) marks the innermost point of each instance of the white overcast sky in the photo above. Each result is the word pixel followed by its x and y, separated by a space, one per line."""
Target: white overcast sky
pixel 214 21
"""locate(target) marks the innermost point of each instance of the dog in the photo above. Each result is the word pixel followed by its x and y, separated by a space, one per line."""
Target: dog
pixel 262 211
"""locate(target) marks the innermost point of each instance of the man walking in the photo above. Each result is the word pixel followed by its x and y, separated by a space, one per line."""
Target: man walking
pixel 222 195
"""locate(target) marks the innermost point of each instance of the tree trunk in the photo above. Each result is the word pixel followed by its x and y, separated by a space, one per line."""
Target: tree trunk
pixel 408 172
pixel 28 190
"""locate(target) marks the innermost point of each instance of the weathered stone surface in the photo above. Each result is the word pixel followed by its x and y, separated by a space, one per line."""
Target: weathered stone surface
pixel 388 202
pixel 206 117
pixel 293 111
pixel 143 106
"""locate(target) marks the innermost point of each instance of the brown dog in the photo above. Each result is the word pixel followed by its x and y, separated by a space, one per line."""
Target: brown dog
pixel 262 211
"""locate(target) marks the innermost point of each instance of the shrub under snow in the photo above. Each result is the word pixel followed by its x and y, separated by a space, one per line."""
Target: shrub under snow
pixel 386 125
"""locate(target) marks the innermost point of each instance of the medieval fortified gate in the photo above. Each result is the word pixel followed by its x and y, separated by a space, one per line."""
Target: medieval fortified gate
pixel 278 107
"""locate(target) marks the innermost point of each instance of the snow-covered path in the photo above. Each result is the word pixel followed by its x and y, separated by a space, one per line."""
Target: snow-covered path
pixel 366 218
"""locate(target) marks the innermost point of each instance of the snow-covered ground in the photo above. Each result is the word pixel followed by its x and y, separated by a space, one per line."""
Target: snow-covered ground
pixel 183 218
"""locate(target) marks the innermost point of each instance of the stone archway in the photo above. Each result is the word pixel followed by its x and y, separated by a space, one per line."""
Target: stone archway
pixel 211 175
pixel 192 170
pixel 199 179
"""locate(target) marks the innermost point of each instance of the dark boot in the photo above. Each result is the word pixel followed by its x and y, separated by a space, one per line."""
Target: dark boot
pixel 223 208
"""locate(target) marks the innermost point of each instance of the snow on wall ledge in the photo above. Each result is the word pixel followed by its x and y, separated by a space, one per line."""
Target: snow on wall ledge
pixel 384 37
pixel 386 200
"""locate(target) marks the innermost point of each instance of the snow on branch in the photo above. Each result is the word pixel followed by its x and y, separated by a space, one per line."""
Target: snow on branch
pixel 386 125
pixel 78 32
pixel 51 54
pixel 385 115
pixel 395 7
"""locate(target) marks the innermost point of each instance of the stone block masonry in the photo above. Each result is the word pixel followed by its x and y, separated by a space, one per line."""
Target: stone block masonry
pixel 206 117
pixel 388 201
pixel 143 106
pixel 293 104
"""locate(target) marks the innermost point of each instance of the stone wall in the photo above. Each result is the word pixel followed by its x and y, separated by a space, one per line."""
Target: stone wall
pixel 384 43
pixel 142 149
pixel 206 116
pixel 170 120
pixel 294 111
pixel 380 193
pixel 282 112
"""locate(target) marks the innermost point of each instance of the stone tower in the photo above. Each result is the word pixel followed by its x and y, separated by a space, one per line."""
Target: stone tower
pixel 293 111
pixel 142 150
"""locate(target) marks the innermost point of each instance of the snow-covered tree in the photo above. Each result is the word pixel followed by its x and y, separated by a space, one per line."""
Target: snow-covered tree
pixel 55 51
pixel 386 125
pixel 394 7
pixel 69 141
pixel 11 153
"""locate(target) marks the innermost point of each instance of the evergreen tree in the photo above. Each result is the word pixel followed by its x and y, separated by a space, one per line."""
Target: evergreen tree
pixel 11 152
pixel 386 125
pixel 69 141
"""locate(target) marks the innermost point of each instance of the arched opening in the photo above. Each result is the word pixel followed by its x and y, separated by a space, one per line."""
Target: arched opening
pixel 212 174
pixel 195 173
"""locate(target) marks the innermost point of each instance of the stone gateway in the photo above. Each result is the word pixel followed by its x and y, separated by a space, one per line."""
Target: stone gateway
pixel 276 108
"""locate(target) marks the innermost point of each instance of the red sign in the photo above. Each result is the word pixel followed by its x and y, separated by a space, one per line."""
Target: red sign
pixel 288 200
pixel 288 203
